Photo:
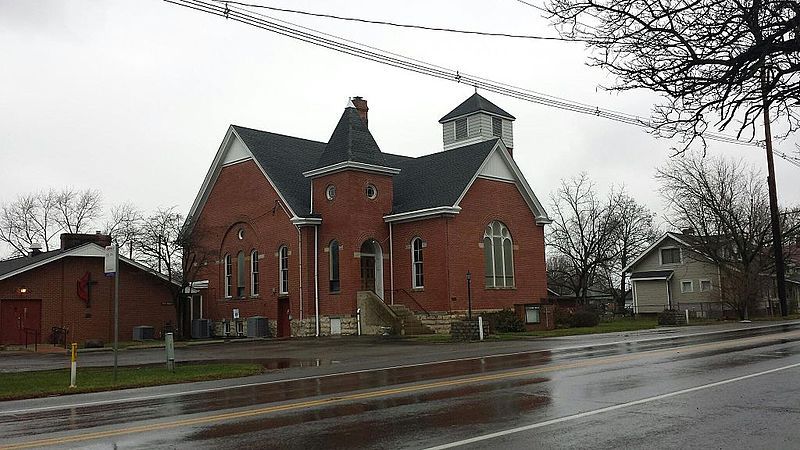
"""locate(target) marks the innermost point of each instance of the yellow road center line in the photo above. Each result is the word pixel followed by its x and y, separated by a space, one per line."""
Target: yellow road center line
pixel 391 391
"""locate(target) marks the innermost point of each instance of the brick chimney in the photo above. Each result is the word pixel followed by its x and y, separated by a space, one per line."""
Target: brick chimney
pixel 71 240
pixel 361 107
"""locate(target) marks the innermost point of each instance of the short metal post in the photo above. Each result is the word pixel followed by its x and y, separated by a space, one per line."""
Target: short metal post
pixel 74 366
pixel 169 344
pixel 358 320
pixel 687 317
pixel 469 295
pixel 480 327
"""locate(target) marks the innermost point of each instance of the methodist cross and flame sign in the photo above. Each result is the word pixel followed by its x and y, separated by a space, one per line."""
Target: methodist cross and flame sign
pixel 85 284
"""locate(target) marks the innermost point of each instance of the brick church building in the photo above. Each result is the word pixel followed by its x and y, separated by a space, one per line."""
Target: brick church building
pixel 66 289
pixel 305 233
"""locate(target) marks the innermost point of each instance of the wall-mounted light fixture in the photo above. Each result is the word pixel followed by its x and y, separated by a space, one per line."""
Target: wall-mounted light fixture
pixel 23 290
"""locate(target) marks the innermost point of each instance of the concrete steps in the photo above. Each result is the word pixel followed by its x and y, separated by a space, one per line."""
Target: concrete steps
pixel 410 323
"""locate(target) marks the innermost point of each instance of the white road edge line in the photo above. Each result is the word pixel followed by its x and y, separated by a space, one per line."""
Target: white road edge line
pixel 353 372
pixel 607 409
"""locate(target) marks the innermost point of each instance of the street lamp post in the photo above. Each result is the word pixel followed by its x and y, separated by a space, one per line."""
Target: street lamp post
pixel 469 295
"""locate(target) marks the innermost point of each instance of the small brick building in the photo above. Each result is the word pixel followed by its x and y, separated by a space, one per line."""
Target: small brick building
pixel 67 288
pixel 292 229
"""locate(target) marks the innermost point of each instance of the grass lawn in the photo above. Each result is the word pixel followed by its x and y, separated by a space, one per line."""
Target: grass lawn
pixel 43 383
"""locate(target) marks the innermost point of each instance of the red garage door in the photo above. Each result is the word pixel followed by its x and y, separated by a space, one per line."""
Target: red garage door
pixel 18 317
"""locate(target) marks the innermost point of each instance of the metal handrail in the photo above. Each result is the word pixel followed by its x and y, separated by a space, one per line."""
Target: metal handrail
pixel 36 334
pixel 408 294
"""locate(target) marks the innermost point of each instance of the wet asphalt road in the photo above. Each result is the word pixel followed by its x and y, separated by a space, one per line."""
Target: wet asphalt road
pixel 434 404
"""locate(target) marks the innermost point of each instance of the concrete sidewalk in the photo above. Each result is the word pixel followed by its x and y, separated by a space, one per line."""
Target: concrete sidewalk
pixel 344 352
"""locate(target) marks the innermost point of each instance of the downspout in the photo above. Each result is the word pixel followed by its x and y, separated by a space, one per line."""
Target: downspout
pixel 391 265
pixel 316 279
pixel 300 262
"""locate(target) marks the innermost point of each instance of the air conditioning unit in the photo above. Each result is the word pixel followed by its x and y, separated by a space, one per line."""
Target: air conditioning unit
pixel 257 327
pixel 143 333
pixel 201 329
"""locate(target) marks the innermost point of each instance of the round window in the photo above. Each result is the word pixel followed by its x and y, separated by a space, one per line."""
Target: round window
pixel 330 192
pixel 371 191
pixel 241 233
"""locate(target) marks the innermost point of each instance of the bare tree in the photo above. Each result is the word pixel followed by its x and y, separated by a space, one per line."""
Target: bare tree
pixel 582 233
pixel 125 226
pixel 38 218
pixel 634 233
pixel 716 63
pixel 29 220
pixel 76 211
pixel 726 203
pixel 165 248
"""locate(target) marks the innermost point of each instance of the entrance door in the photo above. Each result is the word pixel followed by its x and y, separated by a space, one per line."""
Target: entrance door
pixel 17 317
pixel 284 328
pixel 372 267
pixel 367 269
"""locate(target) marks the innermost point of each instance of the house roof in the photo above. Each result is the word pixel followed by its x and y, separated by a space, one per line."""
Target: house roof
pixel 473 104
pixel 652 275
pixel 351 141
pixel 680 238
pixel 16 266
pixel 424 182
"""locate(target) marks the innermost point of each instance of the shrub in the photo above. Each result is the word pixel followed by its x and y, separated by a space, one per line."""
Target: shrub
pixel 668 317
pixel 584 318
pixel 504 321
pixel 562 316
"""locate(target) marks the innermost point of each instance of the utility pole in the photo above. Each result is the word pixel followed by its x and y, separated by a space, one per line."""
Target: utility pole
pixel 777 238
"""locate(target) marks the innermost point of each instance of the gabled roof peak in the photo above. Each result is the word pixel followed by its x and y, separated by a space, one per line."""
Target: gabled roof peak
pixel 476 103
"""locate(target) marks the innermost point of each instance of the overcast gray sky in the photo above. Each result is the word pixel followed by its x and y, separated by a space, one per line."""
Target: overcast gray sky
pixel 133 97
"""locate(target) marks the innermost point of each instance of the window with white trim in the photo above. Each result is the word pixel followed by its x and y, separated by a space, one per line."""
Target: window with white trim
pixel 461 129
pixel 705 285
pixel 532 314
pixel 333 250
pixel 498 253
pixel 240 274
pixel 417 274
pixel 283 255
pixel 687 286
pixel 228 275
pixel 254 273
pixel 670 255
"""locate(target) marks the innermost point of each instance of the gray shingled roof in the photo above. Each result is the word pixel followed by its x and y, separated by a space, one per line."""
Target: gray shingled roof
pixel 425 182
pixel 437 179
pixel 11 265
pixel 474 104
pixel 351 141
pixel 285 158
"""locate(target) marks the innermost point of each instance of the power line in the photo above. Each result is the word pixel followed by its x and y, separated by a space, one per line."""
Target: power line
pixel 403 25
pixel 374 54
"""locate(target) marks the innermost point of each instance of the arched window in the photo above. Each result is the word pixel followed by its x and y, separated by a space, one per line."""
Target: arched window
pixel 416 263
pixel 254 273
pixel 228 275
pixel 283 254
pixel 240 274
pixel 498 254
pixel 333 272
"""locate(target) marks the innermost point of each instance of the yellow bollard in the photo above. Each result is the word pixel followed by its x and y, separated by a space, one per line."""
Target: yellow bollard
pixel 74 370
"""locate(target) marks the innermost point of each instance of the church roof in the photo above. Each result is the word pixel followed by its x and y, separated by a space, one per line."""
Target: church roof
pixel 473 104
pixel 351 141
pixel 424 182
